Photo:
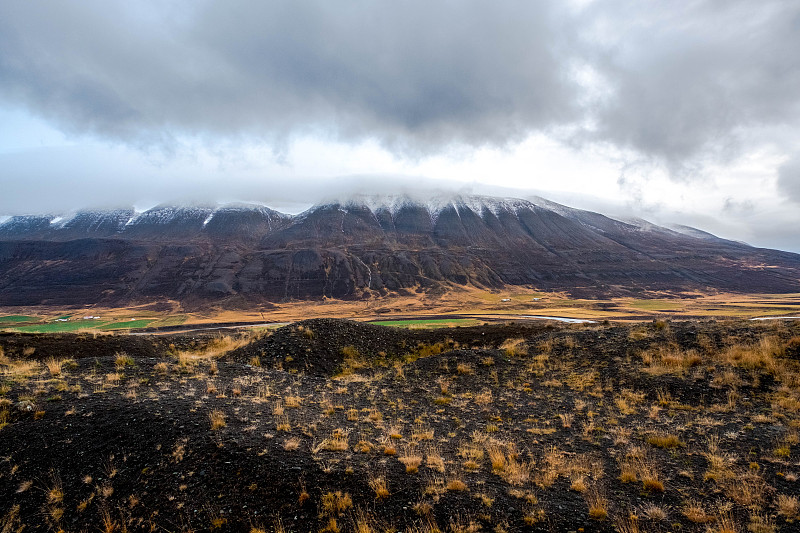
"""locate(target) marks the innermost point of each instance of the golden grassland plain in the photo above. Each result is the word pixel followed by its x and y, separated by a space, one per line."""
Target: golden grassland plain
pixel 475 303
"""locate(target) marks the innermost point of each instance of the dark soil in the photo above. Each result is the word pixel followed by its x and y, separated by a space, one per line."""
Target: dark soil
pixel 122 438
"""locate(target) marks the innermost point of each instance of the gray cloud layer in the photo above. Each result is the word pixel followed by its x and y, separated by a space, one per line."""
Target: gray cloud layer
pixel 676 82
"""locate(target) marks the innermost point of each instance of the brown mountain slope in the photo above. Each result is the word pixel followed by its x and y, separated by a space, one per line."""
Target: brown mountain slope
pixel 365 246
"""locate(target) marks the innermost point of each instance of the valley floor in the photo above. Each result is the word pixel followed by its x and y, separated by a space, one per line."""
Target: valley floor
pixel 460 303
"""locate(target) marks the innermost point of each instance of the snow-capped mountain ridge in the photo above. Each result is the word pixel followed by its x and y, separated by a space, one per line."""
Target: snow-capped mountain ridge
pixel 363 247
pixel 169 221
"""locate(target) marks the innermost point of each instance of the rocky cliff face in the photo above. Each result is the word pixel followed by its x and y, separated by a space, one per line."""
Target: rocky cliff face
pixel 365 246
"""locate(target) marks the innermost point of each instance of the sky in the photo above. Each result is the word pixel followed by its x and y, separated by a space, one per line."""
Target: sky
pixel 681 112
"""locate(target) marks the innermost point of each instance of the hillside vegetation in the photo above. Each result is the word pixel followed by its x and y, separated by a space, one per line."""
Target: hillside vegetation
pixel 330 425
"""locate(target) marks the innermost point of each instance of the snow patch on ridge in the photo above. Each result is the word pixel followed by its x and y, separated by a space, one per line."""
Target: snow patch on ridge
pixel 434 205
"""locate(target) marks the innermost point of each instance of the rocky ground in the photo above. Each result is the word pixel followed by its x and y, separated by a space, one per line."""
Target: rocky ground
pixel 330 425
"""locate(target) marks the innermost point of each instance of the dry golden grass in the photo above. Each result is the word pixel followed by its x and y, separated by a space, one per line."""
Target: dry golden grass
pixel 664 440
pixel 696 513
pixel 411 459
pixel 292 402
pixel 654 512
pixel 19 369
pixel 515 347
pixel 378 484
pixel 217 419
pixel 465 369
pixel 434 459
pixel 788 506
pixel 456 484
pixel 291 444
pixel 335 503
pixel 422 432
pixel 337 442
pixel 122 359
pixel 761 355
pixel 517 472
pixel 598 505
pixel 282 423
pixel 669 359
pixel 214 349
pixel 54 366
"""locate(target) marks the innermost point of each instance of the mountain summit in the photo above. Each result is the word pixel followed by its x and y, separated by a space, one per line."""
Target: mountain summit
pixel 363 246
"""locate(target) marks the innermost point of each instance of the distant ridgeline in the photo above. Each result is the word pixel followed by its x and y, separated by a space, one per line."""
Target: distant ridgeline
pixel 365 246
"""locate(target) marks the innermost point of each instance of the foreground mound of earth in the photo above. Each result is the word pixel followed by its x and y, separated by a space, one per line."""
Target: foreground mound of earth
pixel 330 425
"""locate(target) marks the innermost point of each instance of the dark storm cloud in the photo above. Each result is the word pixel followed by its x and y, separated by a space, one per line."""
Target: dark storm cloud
pixel 413 74
pixel 675 82
pixel 688 79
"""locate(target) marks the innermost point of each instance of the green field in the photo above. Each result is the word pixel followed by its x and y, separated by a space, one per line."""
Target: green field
pixel 31 324
pixel 13 319
pixel 130 324
pixel 60 327
pixel 428 323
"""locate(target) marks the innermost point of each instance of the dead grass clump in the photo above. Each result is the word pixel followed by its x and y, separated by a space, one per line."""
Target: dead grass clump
pixel 761 523
pixel 282 423
pixel 747 489
pixel 483 398
pixel 635 465
pixel 335 503
pixel 456 484
pixel 669 359
pixel 434 459
pixel 54 366
pixel 217 419
pixel 465 369
pixel 727 378
pixel 19 369
pixel 553 465
pixel 422 432
pixel 472 453
pixel 411 459
pixel 55 492
pixel 292 402
pixel 694 512
pixel 517 472
pixel 598 505
pixel 214 349
pixel 306 332
pixel 654 512
pixel 425 350
pixel 788 506
pixel 378 484
pixel 352 363
pixel 291 444
pixel 628 525
pixel 664 440
pixel 497 457
pixel 581 381
pixel 515 347
pixel 122 359
pixel 337 442
pixel 761 355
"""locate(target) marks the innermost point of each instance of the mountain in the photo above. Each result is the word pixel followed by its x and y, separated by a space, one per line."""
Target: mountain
pixel 366 246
